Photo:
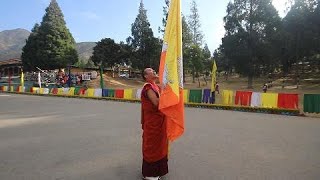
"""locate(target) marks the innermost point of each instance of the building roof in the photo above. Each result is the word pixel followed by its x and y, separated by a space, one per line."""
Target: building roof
pixel 11 62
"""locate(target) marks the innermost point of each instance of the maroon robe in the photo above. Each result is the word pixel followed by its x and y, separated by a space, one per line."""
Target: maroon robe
pixel 155 142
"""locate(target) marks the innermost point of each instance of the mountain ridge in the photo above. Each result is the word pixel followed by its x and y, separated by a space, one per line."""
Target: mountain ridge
pixel 12 41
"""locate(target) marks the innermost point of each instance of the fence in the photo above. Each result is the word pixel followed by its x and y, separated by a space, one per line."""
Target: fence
pixel 239 100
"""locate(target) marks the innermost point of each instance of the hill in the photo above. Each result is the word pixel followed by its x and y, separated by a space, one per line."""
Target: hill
pixel 85 50
pixel 12 42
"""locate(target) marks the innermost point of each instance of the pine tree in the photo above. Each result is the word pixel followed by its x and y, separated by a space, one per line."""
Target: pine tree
pixel 56 46
pixel 186 43
pixel 30 50
pixel 250 38
pixel 106 52
pixel 146 47
pixel 186 34
pixel 165 16
pixel 207 61
pixel 195 25
pixel 195 59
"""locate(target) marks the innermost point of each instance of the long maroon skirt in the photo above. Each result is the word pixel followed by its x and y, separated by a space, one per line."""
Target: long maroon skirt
pixel 154 169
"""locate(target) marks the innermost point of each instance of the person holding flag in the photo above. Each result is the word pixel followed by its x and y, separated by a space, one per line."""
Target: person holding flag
pixel 163 107
pixel 154 137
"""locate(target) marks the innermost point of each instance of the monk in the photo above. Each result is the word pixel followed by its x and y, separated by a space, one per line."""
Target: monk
pixel 154 137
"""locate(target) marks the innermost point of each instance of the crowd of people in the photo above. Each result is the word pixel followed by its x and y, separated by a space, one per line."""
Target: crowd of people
pixel 62 79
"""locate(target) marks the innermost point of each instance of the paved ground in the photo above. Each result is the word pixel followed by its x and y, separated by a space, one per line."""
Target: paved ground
pixel 50 138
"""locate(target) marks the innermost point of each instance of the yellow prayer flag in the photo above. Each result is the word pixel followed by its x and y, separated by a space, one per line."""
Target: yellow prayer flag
pixel 269 100
pixel 171 73
pixel 213 76
pixel 22 80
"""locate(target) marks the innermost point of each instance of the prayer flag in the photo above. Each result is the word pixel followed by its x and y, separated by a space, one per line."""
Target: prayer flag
pixel 171 101
pixel 22 81
pixel 39 79
pixel 213 76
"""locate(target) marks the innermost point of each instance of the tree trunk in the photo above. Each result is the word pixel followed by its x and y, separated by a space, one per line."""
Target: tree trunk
pixel 193 76
pixel 199 81
pixel 184 76
pixel 297 60
pixel 283 80
pixel 250 75
pixel 226 75
pixel 250 81
pixel 205 80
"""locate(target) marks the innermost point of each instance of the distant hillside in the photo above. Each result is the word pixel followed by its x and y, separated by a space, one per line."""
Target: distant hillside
pixel 85 50
pixel 12 42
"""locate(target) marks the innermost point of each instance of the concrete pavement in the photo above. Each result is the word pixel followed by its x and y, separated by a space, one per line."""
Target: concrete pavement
pixel 51 138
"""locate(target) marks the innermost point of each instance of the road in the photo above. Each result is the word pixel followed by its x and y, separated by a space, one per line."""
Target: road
pixel 52 138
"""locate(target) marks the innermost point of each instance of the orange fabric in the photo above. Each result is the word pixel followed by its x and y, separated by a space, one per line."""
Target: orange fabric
pixel 174 113
pixel 154 137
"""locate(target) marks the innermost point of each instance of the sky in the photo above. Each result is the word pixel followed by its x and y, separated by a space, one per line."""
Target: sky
pixel 93 20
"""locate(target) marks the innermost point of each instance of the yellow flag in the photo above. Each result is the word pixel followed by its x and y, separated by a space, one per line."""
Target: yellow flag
pixel 171 73
pixel 22 80
pixel 213 76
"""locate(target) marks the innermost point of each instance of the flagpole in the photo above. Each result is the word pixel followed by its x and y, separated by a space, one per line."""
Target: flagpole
pixel 101 75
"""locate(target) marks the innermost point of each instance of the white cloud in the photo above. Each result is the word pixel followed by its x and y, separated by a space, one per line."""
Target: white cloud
pixel 90 15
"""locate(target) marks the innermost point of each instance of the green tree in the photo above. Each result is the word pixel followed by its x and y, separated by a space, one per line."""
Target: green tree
pixel 125 53
pixel 222 62
pixel 106 53
pixel 195 25
pixel 207 61
pixel 145 45
pixel 81 63
pixel 186 43
pixel 314 20
pixel 56 46
pixel 90 64
pixel 165 17
pixel 186 34
pixel 194 56
pixel 302 34
pixel 29 52
pixel 251 26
